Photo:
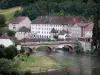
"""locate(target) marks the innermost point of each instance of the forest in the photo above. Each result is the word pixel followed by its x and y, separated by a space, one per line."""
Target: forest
pixel 34 8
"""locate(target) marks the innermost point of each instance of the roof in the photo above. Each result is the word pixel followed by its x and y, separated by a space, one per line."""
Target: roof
pixel 62 20
pixel 4 37
pixel 64 32
pixel 89 28
pixel 24 29
pixel 17 20
pixel 54 30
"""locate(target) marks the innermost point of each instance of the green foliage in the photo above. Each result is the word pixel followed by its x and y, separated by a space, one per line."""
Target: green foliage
pixel 10 52
pixel 10 33
pixel 7 31
pixel 78 47
pixel 6 65
pixel 2 54
pixel 28 54
pixel 22 51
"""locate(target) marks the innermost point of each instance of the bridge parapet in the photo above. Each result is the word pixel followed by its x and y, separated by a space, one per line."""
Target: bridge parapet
pixel 48 43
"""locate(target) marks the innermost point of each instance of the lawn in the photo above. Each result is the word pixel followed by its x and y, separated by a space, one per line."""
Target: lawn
pixel 36 62
pixel 9 13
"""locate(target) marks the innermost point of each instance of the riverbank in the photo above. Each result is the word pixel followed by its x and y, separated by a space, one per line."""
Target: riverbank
pixel 37 63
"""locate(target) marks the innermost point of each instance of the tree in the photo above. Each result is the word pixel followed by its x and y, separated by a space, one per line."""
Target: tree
pixel 28 54
pixel 96 28
pixel 2 54
pixel 78 47
pixel 2 20
pixel 10 33
pixel 22 51
pixel 55 37
pixel 10 52
pixel 6 65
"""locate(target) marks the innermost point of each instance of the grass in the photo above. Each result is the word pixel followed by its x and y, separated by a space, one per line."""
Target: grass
pixel 36 62
pixel 9 13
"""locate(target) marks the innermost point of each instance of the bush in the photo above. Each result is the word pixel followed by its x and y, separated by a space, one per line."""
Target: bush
pixel 6 66
pixel 28 54
pixel 2 54
pixel 22 51
pixel 78 47
pixel 10 52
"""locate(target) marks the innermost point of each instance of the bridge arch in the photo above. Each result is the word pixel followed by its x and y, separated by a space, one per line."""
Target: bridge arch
pixel 44 48
pixel 67 47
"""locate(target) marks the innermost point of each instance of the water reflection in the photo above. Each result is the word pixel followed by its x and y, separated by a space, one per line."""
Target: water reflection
pixel 86 65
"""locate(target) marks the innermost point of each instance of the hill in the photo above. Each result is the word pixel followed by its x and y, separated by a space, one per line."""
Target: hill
pixel 9 13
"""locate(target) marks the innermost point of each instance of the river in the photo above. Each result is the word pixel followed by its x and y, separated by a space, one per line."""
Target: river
pixel 84 65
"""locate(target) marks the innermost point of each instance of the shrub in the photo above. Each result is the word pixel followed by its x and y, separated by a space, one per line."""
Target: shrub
pixel 78 47
pixel 10 52
pixel 6 66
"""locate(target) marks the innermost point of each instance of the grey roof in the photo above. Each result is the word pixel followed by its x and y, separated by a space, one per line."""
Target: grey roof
pixel 64 32
pixel 24 29
pixel 54 30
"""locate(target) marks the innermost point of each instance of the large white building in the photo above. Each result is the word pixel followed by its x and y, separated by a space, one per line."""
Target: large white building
pixel 43 25
pixel 19 22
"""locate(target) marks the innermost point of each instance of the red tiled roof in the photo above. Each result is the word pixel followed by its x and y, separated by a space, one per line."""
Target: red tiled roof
pixel 17 20
pixel 59 20
pixel 89 28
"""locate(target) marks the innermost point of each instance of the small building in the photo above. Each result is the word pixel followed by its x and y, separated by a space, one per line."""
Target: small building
pixel 22 33
pixel 53 33
pixel 19 22
pixel 64 34
pixel 6 41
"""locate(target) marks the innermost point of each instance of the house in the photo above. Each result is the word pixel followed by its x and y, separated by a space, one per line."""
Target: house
pixel 19 22
pixel 6 41
pixel 43 25
pixel 53 33
pixel 64 34
pixel 88 31
pixel 22 33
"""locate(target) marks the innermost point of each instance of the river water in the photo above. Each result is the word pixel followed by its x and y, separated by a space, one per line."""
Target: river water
pixel 83 65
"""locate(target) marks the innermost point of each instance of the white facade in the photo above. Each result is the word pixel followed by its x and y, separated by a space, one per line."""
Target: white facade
pixel 86 45
pixel 21 35
pixel 15 27
pixel 75 31
pixel 88 31
pixel 6 42
pixel 62 36
pixel 88 34
pixel 43 30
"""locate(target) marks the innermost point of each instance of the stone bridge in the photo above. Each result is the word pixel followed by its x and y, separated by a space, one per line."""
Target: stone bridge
pixel 51 45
